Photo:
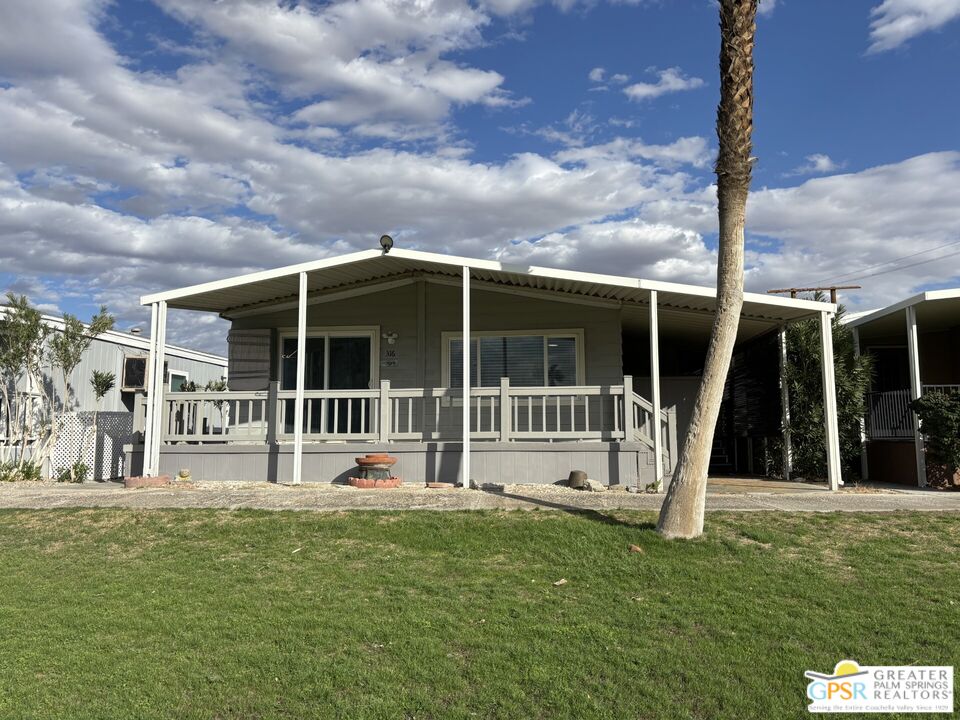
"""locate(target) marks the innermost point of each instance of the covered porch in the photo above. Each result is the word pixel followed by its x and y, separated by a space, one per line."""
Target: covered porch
pixel 915 344
pixel 365 352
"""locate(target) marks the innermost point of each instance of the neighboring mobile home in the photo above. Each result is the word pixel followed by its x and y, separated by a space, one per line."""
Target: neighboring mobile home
pixel 915 345
pixel 118 414
pixel 336 358
pixel 126 356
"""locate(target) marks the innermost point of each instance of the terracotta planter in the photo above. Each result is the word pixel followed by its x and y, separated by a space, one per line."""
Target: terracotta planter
pixel 374 472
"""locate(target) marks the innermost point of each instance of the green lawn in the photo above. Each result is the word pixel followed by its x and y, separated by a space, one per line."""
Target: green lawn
pixel 206 614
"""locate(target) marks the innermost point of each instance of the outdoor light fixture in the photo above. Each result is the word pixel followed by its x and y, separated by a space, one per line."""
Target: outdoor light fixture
pixel 386 242
pixel 390 337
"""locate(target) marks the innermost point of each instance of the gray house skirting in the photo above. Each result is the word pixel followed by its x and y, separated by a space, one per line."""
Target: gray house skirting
pixel 611 463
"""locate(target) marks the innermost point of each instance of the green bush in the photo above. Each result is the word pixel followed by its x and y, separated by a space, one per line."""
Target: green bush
pixel 804 379
pixel 76 473
pixel 12 472
pixel 939 415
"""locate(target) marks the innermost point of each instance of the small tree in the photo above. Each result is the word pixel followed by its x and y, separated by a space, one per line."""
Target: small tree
pixel 804 378
pixel 23 339
pixel 102 382
pixel 69 344
pixel 939 415
pixel 66 351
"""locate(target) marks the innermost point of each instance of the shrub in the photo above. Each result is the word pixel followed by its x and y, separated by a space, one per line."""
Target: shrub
pixel 76 473
pixel 12 472
pixel 939 415
pixel 804 380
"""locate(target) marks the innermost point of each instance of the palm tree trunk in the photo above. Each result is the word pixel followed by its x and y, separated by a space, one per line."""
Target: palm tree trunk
pixel 682 513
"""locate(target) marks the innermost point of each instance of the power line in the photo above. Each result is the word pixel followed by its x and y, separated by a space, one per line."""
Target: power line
pixel 907 267
pixel 855 274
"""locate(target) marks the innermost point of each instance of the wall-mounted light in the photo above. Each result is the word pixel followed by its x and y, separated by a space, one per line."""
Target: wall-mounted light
pixel 386 242
pixel 390 337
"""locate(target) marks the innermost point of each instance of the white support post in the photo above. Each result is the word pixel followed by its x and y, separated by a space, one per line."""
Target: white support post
pixel 301 376
pixel 916 390
pixel 161 362
pixel 831 427
pixel 465 465
pixel 864 465
pixel 655 389
pixel 785 408
pixel 151 423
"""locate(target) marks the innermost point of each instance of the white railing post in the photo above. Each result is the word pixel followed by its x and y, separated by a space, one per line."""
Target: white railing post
pixel 655 388
pixel 301 376
pixel 916 389
pixel 383 423
pixel 831 428
pixel 505 414
pixel 628 427
pixel 273 411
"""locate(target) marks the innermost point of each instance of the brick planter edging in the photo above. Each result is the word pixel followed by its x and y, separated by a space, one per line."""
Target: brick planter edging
pixel 370 483
pixel 141 481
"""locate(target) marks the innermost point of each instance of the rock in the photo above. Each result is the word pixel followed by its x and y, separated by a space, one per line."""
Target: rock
pixel 636 549
pixel 593 485
pixel 577 479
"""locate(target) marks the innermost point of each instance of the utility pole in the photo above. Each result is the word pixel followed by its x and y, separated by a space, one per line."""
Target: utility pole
pixel 832 288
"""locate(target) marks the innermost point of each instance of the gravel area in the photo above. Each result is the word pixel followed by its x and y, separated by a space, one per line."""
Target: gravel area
pixel 332 498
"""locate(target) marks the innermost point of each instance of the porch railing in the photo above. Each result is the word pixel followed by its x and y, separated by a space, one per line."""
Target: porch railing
pixel 888 413
pixel 386 414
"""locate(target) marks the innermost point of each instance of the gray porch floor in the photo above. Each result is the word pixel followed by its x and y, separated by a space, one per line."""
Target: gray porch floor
pixel 331 498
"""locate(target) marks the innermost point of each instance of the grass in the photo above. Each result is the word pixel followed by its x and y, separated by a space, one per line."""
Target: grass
pixel 216 614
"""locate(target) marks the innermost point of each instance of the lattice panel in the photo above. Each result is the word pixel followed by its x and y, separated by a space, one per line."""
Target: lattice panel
pixel 102 451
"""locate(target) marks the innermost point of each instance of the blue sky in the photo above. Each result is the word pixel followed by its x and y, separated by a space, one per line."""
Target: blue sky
pixel 150 145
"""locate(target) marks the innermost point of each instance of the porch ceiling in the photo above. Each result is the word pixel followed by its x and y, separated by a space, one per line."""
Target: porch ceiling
pixel 342 274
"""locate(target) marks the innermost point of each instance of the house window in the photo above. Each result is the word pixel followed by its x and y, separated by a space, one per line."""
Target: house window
pixel 334 360
pixel 528 359
pixel 177 379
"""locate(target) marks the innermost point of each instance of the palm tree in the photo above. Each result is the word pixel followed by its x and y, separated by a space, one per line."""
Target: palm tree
pixel 682 513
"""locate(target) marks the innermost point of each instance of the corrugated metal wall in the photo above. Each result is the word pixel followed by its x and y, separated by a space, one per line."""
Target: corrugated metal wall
pixel 108 356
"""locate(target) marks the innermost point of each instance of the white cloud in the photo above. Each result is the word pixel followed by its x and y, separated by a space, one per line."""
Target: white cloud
pixel 670 80
pixel 837 225
pixel 115 183
pixel 893 22
pixel 817 164
pixel 766 7
pixel 597 74
pixel 631 247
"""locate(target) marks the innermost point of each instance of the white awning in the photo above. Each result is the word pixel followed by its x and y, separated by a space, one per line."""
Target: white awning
pixel 244 294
